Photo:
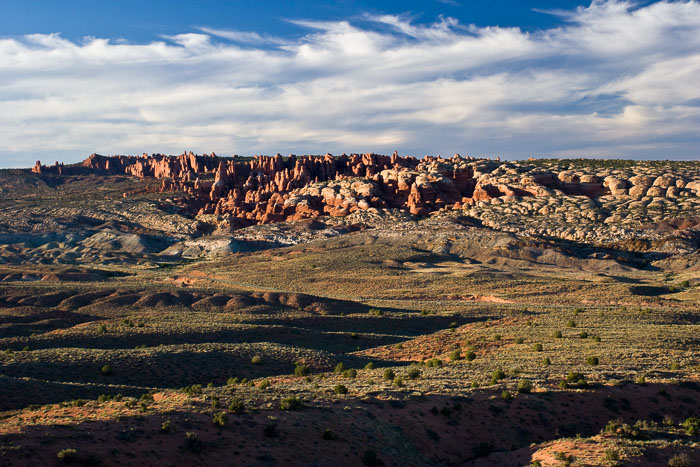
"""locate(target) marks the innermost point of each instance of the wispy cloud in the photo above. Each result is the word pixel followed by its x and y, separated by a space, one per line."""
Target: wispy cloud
pixel 614 80
pixel 245 37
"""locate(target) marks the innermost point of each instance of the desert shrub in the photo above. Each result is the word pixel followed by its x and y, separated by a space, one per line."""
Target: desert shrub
pixel 67 455
pixel 398 346
pixel 470 355
pixel 146 397
pixel 557 335
pixel 456 355
pixel 220 419
pixel 524 386
pixel 497 375
pixel 210 385
pixel 232 381
pixel 398 381
pixel 675 366
pixel 102 328
pixel 571 323
pixel 593 361
pixel 192 390
pixel 236 405
pixel 453 324
pixel 577 311
pixel 583 335
pixel 350 373
pixel 370 366
pixel 291 403
pixel 433 363
pixel 264 384
pixel 370 457
pixel 561 456
pixel 519 340
pixel 340 389
pixel 192 442
pixel 537 347
pixel 328 435
pixel 497 337
pixel 166 426
pixel 339 368
pixel 546 361
pixel 611 455
pixel 596 338
pixel 354 335
pixel 413 373
pixel 256 360
pixel 375 312
pixel 215 402
pixel 506 395
pixel 107 370
pixel 692 426
pixel 301 370
pixel 446 411
pixel 680 460
pixel 641 380
pixel 573 380
pixel 389 374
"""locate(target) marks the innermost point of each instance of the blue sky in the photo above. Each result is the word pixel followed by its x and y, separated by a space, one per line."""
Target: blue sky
pixel 510 78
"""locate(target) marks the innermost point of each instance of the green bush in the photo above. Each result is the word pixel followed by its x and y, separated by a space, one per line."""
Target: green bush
pixel 350 373
pixel 611 455
pixel 102 328
pixel 328 435
pixel 67 455
pixel 571 323
pixel 537 347
pixel 256 360
pixel 692 426
pixel 593 361
pixel 389 374
pixel 506 395
pixel 369 366
pixel 264 384
pixel 220 419
pixel 302 370
pixel 398 381
pixel 680 460
pixel 574 380
pixel 497 375
pixel 675 366
pixel 107 370
pixel 166 426
pixel 519 340
pixel 232 381
pixel 557 335
pixel 192 390
pixel 236 405
pixel 470 356
pixel 339 368
pixel 413 373
pixel 583 335
pixel 375 312
pixel 596 338
pixel 524 386
pixel 456 355
pixel 291 403
pixel 340 389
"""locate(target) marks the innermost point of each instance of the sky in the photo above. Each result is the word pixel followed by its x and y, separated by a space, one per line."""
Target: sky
pixel 514 79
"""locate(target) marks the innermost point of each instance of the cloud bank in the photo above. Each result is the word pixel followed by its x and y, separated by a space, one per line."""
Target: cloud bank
pixel 614 80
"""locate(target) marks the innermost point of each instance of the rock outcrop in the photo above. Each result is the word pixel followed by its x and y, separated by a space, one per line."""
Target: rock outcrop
pixel 266 189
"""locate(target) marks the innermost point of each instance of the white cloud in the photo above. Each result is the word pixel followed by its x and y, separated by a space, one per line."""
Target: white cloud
pixel 614 80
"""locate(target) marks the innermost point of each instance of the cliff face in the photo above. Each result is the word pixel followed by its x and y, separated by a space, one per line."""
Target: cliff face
pixel 269 189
